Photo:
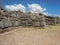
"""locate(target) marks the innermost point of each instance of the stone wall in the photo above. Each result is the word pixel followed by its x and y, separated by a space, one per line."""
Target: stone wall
pixel 17 18
pixel 14 19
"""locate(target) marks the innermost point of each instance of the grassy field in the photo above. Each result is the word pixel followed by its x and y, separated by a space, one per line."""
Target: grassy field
pixel 31 36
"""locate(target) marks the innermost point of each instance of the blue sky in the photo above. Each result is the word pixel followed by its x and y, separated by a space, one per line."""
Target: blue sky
pixel 52 6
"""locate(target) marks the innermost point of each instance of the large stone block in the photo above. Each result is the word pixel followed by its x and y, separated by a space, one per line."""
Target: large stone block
pixel 16 23
pixel 36 24
pixel 1 24
pixel 28 23
pixel 5 22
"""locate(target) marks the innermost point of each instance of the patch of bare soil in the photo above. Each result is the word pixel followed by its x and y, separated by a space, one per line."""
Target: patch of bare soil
pixel 31 36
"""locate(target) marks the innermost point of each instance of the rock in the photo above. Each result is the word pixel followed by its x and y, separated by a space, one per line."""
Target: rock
pixel 6 22
pixel 1 24
pixel 16 23
pixel 36 24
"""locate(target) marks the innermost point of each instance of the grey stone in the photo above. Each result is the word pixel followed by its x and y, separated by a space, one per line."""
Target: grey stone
pixel 6 22
pixel 1 24
pixel 16 23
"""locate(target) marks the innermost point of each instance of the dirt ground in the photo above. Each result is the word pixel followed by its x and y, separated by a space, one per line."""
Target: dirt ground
pixel 31 36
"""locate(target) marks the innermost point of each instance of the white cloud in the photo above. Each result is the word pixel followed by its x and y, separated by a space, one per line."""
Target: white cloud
pixel 35 8
pixel 45 13
pixel 15 7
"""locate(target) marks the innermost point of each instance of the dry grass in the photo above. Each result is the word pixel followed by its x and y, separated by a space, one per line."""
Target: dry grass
pixel 32 36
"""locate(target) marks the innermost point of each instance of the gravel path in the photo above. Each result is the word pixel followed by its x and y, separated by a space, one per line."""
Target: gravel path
pixel 31 36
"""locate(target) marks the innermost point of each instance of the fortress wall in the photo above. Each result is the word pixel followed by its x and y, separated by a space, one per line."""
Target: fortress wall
pixel 17 18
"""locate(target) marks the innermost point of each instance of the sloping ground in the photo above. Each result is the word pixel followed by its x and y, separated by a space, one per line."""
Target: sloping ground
pixel 32 36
